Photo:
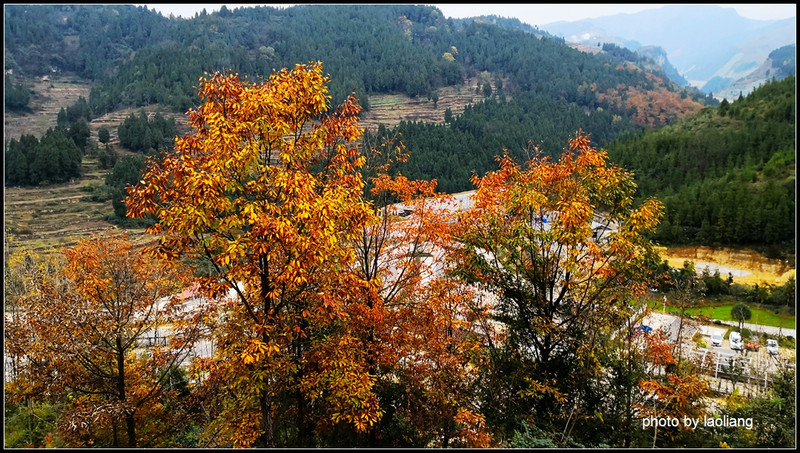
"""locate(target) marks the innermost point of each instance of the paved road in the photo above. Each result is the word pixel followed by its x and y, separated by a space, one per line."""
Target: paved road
pixel 769 330
pixel 755 364
pixel 658 319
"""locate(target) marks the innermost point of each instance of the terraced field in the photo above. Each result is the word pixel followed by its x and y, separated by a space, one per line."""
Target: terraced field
pixel 57 215
pixel 60 215
pixel 390 109
pixel 49 96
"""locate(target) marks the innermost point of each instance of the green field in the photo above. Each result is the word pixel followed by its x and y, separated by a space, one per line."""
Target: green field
pixel 723 312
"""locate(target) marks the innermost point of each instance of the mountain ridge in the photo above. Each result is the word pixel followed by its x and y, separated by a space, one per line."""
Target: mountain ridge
pixel 732 46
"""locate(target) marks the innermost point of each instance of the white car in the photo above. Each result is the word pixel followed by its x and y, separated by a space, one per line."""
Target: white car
pixel 772 347
pixel 716 339
pixel 735 340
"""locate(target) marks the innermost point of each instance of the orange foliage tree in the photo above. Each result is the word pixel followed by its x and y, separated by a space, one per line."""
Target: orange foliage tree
pixel 268 189
pixel 561 246
pixel 670 391
pixel 415 323
pixel 80 335
pixel 654 107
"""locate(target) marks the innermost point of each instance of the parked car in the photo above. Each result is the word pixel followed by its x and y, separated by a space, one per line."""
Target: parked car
pixel 716 339
pixel 772 347
pixel 735 339
pixel 752 345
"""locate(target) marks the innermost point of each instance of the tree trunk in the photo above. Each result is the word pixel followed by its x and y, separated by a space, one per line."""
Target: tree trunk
pixel 265 400
pixel 131 430
pixel 115 438
pixel 129 421
pixel 304 425
pixel 267 438
pixel 302 414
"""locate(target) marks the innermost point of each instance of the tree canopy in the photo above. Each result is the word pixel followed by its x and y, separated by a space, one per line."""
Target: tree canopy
pixel 77 338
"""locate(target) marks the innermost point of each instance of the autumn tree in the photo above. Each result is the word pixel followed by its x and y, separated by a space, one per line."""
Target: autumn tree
pixel 671 390
pixel 561 246
pixel 23 268
pixel 415 321
pixel 81 333
pixel 267 190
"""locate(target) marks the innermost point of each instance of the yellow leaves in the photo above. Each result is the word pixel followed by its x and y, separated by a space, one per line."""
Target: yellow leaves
pixel 223 260
pixel 538 389
pixel 574 215
pixel 591 158
pixel 647 217
pixel 473 429
pixel 580 142
pixel 653 386
pixel 256 350
pixel 338 366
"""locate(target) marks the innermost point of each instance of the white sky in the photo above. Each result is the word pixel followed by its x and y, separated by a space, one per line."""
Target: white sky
pixel 532 14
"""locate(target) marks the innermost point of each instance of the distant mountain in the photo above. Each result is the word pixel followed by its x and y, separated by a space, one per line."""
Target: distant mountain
pixel 139 58
pixel 779 64
pixel 655 54
pixel 531 85
pixel 659 56
pixel 702 41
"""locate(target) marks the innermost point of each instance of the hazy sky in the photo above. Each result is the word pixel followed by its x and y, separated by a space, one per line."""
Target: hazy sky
pixel 532 14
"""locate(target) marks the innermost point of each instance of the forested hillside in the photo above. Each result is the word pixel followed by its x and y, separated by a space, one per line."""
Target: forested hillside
pixel 538 92
pixel 538 88
pixel 726 175
pixel 138 57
